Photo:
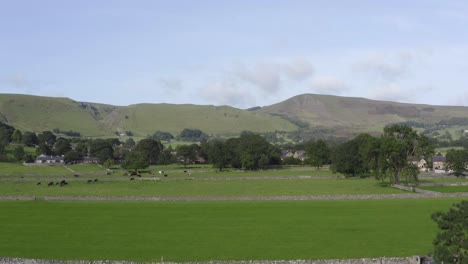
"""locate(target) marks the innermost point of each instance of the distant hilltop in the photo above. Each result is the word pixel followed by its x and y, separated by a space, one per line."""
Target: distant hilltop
pixel 302 115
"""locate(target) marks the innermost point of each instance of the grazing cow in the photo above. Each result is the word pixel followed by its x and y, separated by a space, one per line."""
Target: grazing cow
pixel 50 184
pixel 57 183
pixel 76 175
pixel 90 181
pixel 39 183
pixel 95 180
pixel 132 179
pixel 165 175
pixel 138 175
pixel 185 171
pixel 161 172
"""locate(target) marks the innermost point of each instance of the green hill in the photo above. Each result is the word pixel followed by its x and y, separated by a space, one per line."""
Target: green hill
pixel 357 114
pixel 344 115
pixel 36 113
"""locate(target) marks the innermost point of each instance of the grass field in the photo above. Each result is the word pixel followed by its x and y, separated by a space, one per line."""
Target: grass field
pixel 86 167
pixel 201 171
pixel 446 189
pixel 200 188
pixel 188 231
pixel 18 169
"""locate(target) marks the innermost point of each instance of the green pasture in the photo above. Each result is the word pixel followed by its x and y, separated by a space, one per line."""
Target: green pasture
pixel 446 189
pixel 207 170
pixel 453 179
pixel 86 168
pixel 199 188
pixel 18 169
pixel 201 231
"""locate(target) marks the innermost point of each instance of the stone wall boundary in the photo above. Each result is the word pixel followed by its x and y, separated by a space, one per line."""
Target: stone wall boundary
pixel 383 260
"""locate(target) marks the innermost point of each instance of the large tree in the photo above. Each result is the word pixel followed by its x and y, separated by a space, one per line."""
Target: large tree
pixel 217 154
pixel 150 148
pixel 29 139
pixel 451 244
pixel 187 153
pixel 318 153
pixel 398 145
pixel 135 160
pixel 256 153
pixel 47 138
pixel 62 146
pixel 102 149
pixel 456 160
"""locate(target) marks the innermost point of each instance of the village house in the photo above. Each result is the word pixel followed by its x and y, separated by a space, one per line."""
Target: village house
pixel 90 160
pixel 300 154
pixel 45 159
pixel 420 163
pixel 438 163
pixel 286 154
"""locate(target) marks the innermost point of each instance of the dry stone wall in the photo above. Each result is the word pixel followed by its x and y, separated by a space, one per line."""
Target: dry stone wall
pixel 407 260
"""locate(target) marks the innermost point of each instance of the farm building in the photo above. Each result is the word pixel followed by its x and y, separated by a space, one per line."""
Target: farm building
pixel 438 163
pixel 45 159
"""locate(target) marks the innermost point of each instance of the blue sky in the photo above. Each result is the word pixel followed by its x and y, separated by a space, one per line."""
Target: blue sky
pixel 241 53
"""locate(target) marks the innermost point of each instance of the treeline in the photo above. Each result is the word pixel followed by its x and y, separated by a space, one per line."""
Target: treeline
pixel 388 156
pixel 392 155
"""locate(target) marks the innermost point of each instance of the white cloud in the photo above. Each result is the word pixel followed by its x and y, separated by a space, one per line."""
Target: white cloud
pixel 227 93
pixel 269 78
pixel 328 85
pixel 392 92
pixel 299 70
pixel 385 68
pixel 266 76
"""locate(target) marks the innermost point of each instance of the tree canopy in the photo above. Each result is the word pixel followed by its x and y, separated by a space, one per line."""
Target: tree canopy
pixel 456 160
pixel 451 243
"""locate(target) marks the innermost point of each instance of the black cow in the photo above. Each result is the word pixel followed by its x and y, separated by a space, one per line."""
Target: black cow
pixel 95 180
pixel 90 181
pixel 50 184
pixel 132 179
pixel 39 183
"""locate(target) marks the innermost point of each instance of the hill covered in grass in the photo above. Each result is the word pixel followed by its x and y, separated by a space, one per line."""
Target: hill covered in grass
pixel 36 113
pixel 343 116
pixel 313 111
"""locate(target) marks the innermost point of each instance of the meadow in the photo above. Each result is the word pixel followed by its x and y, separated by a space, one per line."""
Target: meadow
pixel 189 231
pixel 194 188
pixel 446 189
pixel 202 231
pixel 18 169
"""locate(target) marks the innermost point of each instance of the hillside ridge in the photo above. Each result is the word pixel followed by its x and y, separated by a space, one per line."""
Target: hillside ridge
pixel 302 112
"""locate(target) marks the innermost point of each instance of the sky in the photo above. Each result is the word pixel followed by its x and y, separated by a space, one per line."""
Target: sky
pixel 241 53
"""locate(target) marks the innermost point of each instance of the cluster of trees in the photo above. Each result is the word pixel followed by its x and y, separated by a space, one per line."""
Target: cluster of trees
pixel 69 133
pixel 457 160
pixel 388 156
pixel 192 135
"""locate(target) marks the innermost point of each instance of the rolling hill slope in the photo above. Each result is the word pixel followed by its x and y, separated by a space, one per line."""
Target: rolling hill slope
pixel 36 113
pixel 345 115
pixel 358 114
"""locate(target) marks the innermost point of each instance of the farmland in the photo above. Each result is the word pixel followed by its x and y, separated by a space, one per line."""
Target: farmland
pixel 200 188
pixel 211 230
pixel 183 231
